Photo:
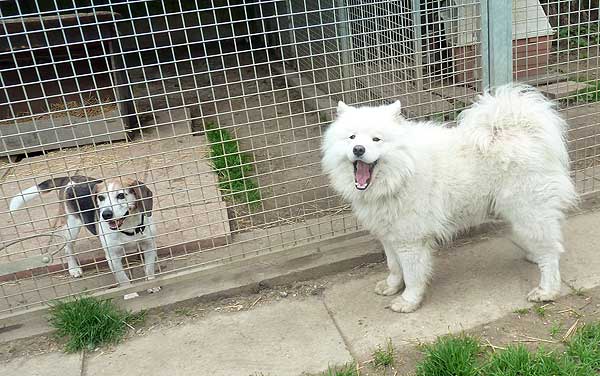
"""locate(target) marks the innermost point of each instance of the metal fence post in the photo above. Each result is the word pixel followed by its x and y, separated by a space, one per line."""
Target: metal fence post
pixel 496 42
pixel 416 21
pixel 345 44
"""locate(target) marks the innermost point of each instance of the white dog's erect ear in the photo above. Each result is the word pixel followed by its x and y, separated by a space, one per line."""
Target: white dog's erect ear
pixel 342 107
pixel 396 108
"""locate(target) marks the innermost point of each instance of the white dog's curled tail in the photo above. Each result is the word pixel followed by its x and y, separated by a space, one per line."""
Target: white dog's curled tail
pixel 515 111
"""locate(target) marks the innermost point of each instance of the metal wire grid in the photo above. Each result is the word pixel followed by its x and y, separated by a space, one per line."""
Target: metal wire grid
pixel 267 73
pixel 564 63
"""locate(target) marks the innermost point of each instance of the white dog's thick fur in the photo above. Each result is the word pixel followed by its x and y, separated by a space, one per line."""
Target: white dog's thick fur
pixel 412 184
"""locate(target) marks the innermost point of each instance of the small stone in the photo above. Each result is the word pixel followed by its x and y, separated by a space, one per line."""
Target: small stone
pixel 283 294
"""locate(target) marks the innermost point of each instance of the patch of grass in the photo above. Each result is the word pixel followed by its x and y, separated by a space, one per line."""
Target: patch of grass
pixel 450 355
pixel 519 361
pixel 345 370
pixel 522 311
pixel 383 357
pixel 584 347
pixel 232 167
pixel 540 311
pixel 591 93
pixel 184 312
pixel 87 322
pixel 444 116
pixel 579 36
pixel 555 329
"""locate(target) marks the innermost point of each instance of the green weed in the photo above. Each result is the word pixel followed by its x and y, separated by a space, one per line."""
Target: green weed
pixel 383 357
pixel 88 322
pixel 450 355
pixel 345 370
pixel 232 167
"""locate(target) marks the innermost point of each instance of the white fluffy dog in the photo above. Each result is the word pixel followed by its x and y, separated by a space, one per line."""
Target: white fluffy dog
pixel 413 184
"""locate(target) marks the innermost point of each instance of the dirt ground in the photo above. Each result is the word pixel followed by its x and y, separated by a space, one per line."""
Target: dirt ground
pixel 543 325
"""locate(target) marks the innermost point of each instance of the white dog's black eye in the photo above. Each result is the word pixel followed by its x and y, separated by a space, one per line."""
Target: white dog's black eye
pixel 100 198
pixel 352 137
pixel 121 196
pixel 376 139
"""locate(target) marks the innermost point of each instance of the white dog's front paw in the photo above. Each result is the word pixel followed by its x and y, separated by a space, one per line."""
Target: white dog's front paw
pixel 153 290
pixel 76 272
pixel 382 288
pixel 402 305
pixel 538 294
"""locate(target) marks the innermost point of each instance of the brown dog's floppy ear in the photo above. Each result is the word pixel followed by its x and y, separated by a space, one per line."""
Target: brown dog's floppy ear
pixel 143 195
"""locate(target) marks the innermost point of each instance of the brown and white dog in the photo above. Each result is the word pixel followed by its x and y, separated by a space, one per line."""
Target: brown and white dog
pixel 118 211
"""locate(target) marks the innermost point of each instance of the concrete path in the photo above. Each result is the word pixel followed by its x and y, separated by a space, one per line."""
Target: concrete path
pixel 472 285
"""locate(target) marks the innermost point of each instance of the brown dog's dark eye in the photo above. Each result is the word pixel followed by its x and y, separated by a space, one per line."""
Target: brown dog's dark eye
pixel 376 139
pixel 100 198
pixel 352 137
pixel 121 196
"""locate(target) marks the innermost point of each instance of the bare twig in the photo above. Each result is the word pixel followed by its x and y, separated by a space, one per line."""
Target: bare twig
pixel 493 347
pixel 256 301
pixel 571 330
pixel 533 339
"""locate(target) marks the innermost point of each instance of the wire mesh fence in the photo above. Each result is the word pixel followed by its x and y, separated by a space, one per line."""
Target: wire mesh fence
pixel 218 109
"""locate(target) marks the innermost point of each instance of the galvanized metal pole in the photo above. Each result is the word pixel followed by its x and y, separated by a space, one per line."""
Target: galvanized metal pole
pixel 496 42
pixel 345 44
pixel 418 43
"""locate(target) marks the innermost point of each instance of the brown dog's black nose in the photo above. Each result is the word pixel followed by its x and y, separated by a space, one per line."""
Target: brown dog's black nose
pixel 358 150
pixel 107 214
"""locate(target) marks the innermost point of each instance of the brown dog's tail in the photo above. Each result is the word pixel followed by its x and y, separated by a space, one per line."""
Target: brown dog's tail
pixel 44 187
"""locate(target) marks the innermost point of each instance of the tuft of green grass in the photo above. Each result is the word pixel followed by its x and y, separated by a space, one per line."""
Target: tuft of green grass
pixel 443 116
pixel 555 329
pixel 184 312
pixel 541 311
pixel 519 361
pixel 345 370
pixel 521 311
pixel 584 347
pixel 383 357
pixel 450 355
pixel 587 94
pixel 87 322
pixel 580 36
pixel 232 167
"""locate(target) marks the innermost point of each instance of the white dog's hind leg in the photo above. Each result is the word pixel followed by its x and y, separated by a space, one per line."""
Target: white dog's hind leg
pixel 528 255
pixel 542 246
pixel 394 281
pixel 416 268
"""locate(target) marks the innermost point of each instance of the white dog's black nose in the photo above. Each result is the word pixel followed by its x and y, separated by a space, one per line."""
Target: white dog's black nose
pixel 107 214
pixel 358 150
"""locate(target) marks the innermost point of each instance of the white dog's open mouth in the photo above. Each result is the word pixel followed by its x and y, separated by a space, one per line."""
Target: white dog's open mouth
pixel 362 174
pixel 114 224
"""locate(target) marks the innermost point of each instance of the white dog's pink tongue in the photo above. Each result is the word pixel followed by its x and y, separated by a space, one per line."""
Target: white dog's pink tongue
pixel 363 174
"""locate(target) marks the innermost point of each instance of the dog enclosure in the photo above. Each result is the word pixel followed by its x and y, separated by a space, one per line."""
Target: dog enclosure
pixel 219 108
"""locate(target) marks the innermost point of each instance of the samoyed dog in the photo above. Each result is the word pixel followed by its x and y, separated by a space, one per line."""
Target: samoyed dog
pixel 414 184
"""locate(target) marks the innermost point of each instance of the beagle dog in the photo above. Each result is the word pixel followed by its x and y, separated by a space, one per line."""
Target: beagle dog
pixel 118 211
